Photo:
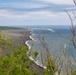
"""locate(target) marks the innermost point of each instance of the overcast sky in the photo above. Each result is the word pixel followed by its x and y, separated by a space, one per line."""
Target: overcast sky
pixel 35 12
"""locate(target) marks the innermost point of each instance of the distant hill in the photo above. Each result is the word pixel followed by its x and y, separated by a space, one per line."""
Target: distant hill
pixel 8 28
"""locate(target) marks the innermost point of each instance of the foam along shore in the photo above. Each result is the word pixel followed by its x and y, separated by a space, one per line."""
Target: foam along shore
pixel 45 29
pixel 29 47
pixel 37 62
pixel 32 38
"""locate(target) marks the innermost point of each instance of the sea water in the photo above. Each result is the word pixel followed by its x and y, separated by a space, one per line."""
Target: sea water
pixel 57 40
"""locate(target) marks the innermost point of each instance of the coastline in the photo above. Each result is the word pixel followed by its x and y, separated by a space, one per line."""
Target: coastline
pixel 38 63
pixel 16 36
pixel 30 57
pixel 22 36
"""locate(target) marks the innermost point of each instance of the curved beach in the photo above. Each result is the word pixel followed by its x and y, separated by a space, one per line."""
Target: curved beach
pixel 37 62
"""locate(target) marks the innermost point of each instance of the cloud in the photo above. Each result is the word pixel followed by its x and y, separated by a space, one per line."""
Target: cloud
pixel 35 12
pixel 38 15
pixel 70 2
pixel 18 7
pixel 21 5
pixel 32 6
pixel 4 13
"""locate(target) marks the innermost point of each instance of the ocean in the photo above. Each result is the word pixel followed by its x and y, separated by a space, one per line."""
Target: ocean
pixel 57 40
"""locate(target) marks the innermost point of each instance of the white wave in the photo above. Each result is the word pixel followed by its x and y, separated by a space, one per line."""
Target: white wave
pixel 31 58
pixel 32 38
pixel 45 29
pixel 65 46
pixel 51 30
pixel 29 47
pixel 37 62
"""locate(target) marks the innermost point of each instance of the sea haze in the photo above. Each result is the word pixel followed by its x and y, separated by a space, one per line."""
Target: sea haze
pixel 46 26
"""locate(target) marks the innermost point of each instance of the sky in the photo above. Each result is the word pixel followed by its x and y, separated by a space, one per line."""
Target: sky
pixel 35 12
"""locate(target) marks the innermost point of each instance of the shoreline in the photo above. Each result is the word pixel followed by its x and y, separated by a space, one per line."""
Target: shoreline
pixel 30 57
pixel 21 36
pixel 38 63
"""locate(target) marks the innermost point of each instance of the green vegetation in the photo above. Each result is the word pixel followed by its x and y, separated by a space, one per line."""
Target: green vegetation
pixel 8 28
pixel 35 54
pixel 15 63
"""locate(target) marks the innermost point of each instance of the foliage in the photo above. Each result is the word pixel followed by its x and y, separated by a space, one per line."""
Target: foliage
pixel 74 73
pixel 51 67
pixel 35 54
pixel 15 63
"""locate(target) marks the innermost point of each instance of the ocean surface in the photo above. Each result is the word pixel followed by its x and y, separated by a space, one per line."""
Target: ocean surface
pixel 56 38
